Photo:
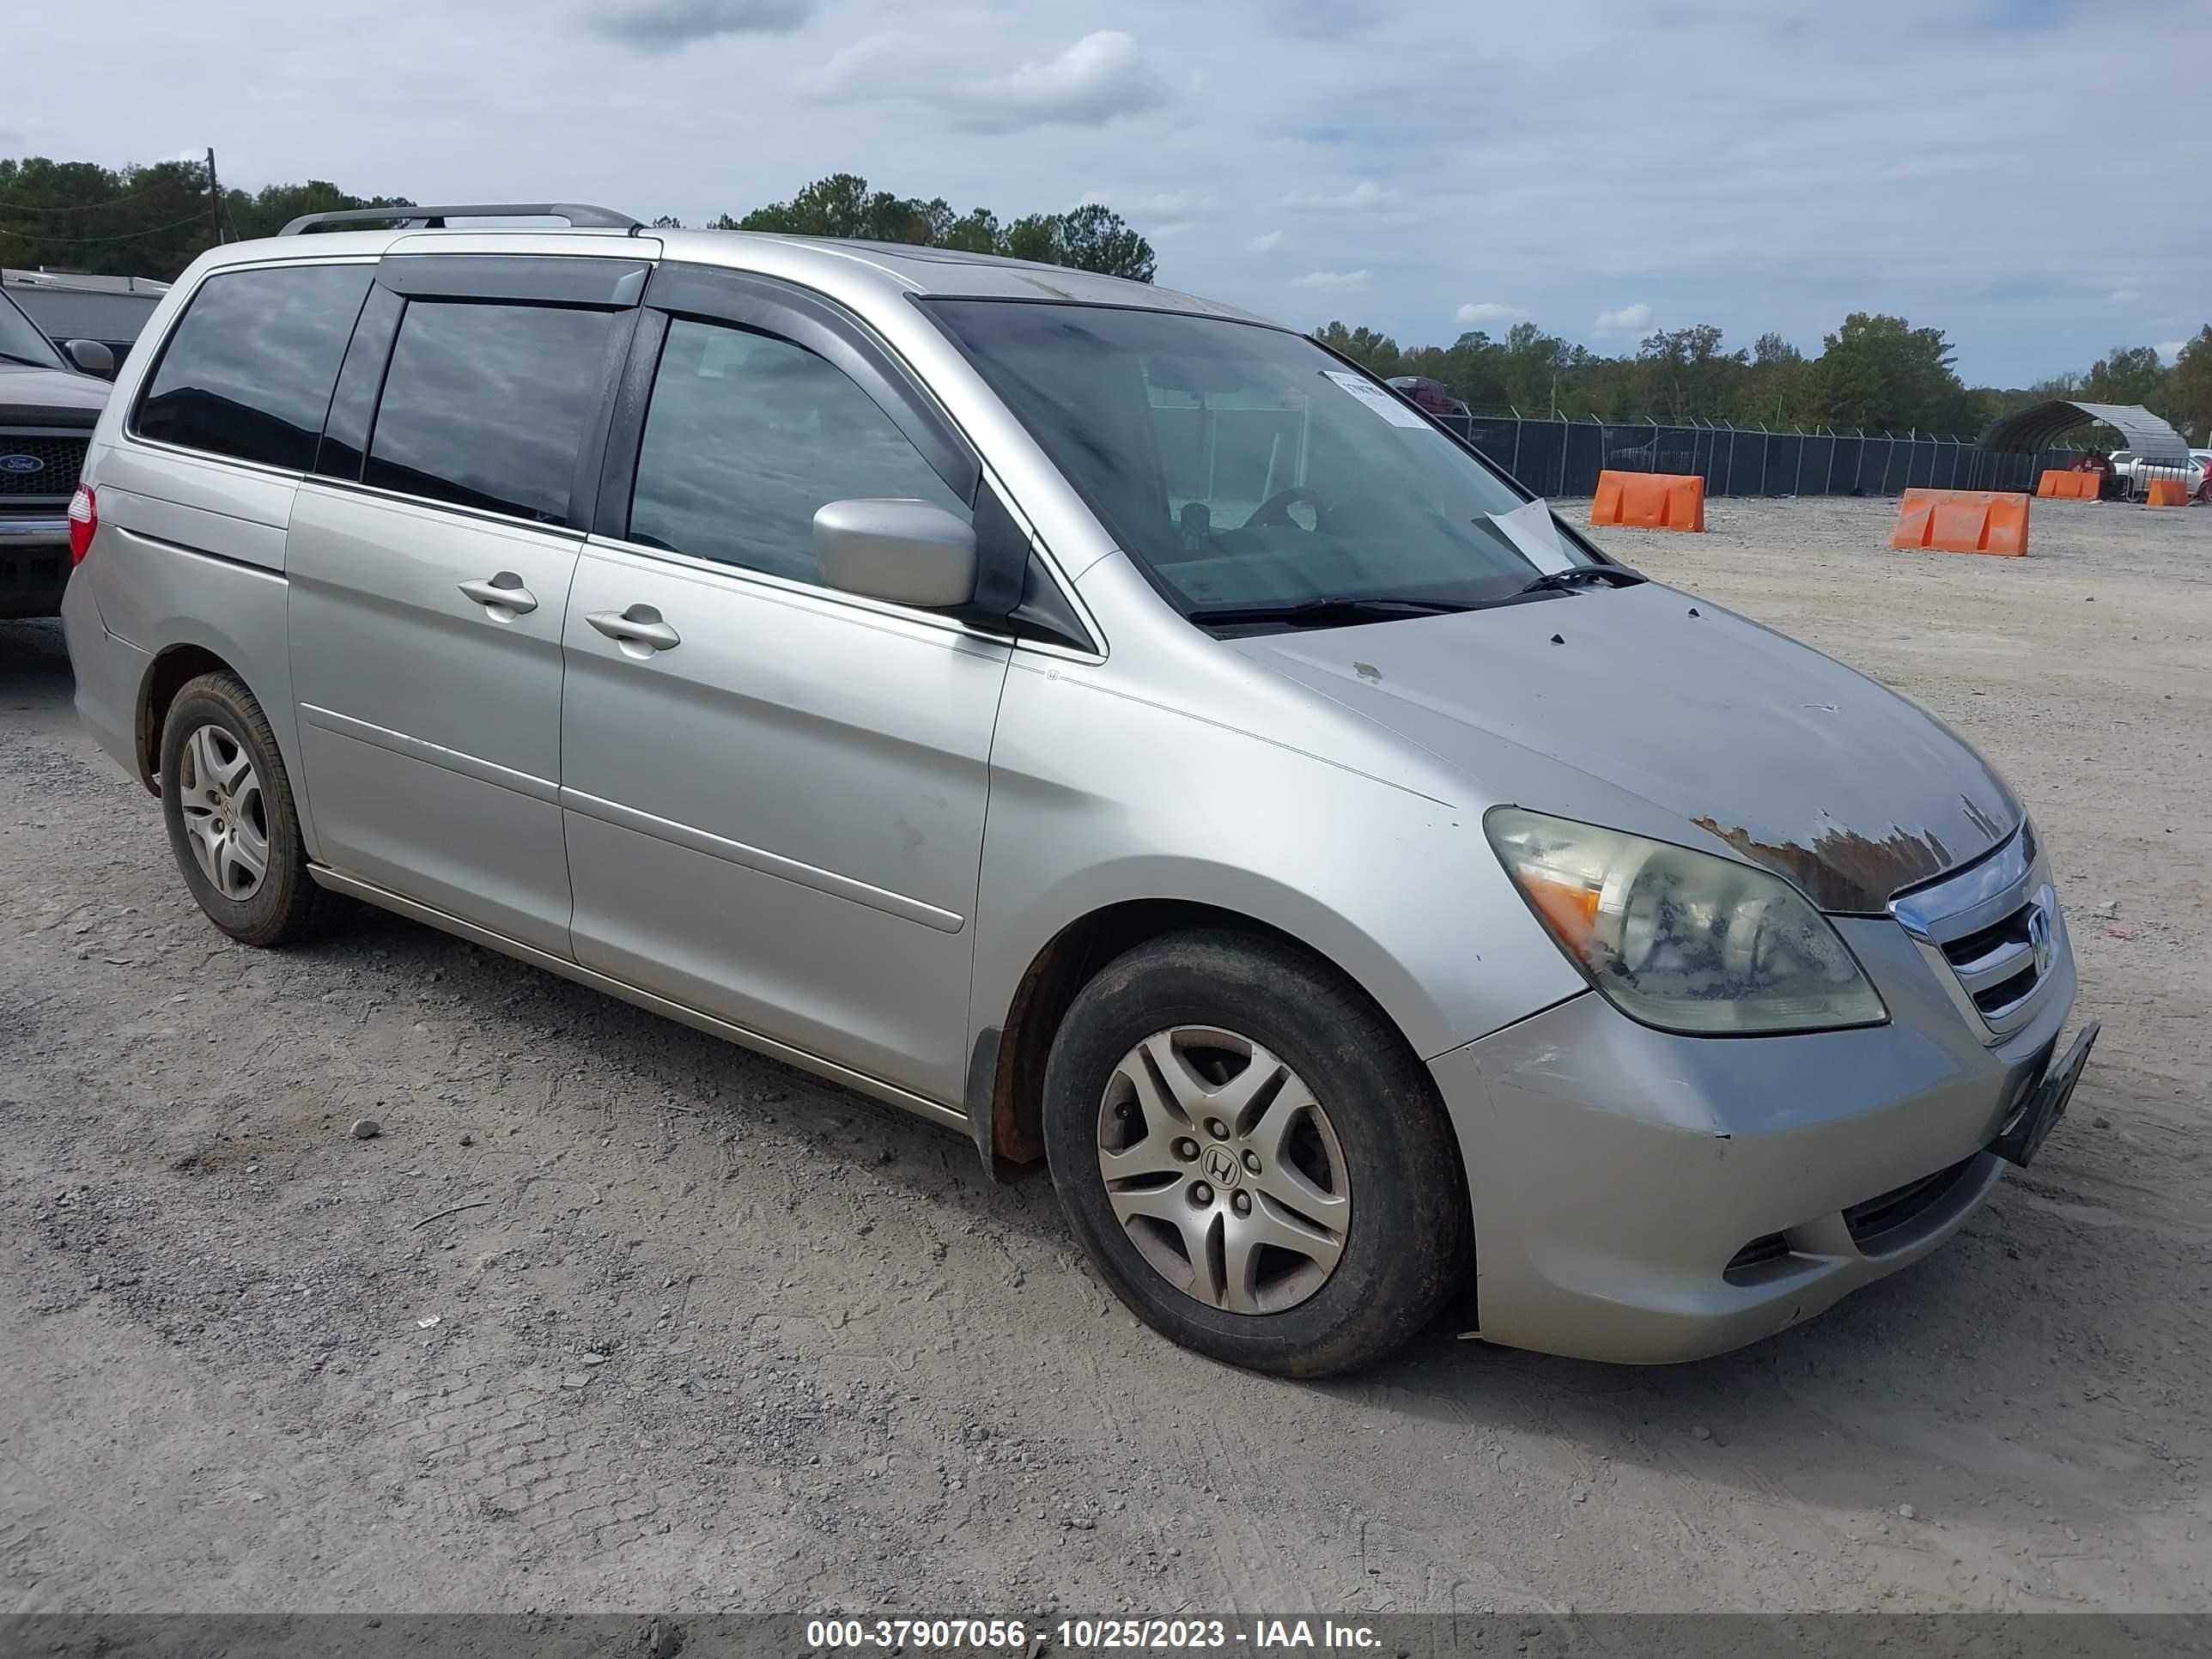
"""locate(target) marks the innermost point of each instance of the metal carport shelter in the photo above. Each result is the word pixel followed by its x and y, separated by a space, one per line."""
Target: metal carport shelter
pixel 2035 428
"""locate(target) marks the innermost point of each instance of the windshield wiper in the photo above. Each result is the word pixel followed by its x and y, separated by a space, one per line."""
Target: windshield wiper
pixel 1582 575
pixel 31 362
pixel 1320 613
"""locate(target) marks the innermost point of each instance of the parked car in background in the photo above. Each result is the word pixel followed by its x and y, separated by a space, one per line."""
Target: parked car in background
pixel 48 405
pixel 2133 472
pixel 1378 881
pixel 71 305
pixel 1434 396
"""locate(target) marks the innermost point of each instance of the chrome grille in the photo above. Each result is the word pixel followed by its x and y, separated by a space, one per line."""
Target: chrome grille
pixel 41 464
pixel 1992 932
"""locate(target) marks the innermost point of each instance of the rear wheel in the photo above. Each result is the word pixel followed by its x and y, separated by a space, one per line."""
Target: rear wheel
pixel 231 818
pixel 1254 1159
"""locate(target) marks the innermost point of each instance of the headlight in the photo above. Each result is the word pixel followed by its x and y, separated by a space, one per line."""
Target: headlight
pixel 1683 940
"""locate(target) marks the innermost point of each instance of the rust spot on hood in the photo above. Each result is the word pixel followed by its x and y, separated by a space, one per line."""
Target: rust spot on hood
pixel 1841 869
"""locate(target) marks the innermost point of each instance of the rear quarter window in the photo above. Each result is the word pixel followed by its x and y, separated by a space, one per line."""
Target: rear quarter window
pixel 248 372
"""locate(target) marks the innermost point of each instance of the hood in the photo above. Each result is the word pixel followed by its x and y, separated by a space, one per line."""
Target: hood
pixel 1795 761
pixel 48 397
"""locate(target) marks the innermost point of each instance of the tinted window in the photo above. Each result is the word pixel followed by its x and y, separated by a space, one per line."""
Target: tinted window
pixel 248 372
pixel 488 404
pixel 746 436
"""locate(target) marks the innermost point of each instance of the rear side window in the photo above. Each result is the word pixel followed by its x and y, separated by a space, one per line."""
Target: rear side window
pixel 248 372
pixel 746 435
pixel 488 404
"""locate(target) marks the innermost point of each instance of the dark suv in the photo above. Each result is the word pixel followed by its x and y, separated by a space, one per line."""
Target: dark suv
pixel 47 411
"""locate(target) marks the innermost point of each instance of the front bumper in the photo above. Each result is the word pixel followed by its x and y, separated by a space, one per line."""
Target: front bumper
pixel 1645 1198
pixel 34 564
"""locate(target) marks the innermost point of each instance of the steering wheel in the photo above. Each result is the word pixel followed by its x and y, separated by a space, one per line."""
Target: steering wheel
pixel 1276 509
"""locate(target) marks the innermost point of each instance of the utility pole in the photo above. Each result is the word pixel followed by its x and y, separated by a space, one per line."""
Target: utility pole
pixel 214 197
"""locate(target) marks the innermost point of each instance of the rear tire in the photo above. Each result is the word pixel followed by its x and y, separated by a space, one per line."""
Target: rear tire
pixel 1285 1190
pixel 232 822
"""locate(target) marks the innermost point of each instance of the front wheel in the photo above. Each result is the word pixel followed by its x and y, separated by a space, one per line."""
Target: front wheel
pixel 1252 1157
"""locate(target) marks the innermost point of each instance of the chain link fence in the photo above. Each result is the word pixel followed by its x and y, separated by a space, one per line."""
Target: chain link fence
pixel 1563 457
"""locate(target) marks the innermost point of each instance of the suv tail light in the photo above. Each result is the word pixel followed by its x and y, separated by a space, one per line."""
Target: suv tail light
pixel 83 523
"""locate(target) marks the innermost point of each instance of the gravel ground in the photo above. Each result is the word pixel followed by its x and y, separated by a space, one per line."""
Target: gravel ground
pixel 715 1335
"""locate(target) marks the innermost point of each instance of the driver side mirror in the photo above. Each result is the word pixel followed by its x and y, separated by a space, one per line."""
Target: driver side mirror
pixel 92 357
pixel 909 552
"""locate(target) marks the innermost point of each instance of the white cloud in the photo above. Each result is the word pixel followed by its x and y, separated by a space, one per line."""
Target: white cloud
pixel 1101 77
pixel 662 25
pixel 1486 311
pixel 1266 242
pixel 1172 228
pixel 2169 351
pixel 1627 320
pixel 2124 296
pixel 1339 281
pixel 1359 199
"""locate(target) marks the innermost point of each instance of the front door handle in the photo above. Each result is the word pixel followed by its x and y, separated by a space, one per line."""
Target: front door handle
pixel 504 592
pixel 639 626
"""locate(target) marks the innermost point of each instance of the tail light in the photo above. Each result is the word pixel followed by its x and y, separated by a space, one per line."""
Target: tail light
pixel 83 522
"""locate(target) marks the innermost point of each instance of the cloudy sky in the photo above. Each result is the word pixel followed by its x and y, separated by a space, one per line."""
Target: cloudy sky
pixel 2033 176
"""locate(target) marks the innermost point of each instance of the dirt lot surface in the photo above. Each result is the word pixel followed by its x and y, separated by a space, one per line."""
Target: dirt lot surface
pixel 716 1336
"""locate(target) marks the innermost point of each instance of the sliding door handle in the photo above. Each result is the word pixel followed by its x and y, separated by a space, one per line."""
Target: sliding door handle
pixel 504 592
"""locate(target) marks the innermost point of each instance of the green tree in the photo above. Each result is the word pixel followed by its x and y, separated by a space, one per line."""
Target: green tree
pixel 977 231
pixel 1375 353
pixel 2130 375
pixel 1034 236
pixel 1882 373
pixel 1683 372
pixel 2189 387
pixel 1092 237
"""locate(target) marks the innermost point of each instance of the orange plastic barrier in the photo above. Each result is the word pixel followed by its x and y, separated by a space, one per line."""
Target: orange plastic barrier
pixel 1655 501
pixel 2069 486
pixel 2166 492
pixel 1963 521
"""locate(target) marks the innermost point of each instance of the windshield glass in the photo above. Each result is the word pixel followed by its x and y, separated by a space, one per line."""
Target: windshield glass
pixel 1246 468
pixel 20 337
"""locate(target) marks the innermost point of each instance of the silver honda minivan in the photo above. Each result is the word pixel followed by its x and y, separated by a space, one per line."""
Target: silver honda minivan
pixel 1101 722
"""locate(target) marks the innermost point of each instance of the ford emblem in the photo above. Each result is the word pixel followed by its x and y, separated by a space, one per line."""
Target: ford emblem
pixel 21 463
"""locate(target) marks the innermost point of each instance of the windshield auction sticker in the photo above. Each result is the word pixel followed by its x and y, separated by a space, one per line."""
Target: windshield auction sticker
pixel 1375 398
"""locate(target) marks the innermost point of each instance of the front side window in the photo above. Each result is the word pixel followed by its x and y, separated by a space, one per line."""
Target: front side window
pixel 1242 466
pixel 488 404
pixel 248 372
pixel 746 436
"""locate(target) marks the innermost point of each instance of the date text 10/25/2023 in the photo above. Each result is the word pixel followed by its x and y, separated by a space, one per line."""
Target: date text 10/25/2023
pixel 1125 1635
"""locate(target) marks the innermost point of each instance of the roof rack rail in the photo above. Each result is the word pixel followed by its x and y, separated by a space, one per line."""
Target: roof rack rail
pixel 579 215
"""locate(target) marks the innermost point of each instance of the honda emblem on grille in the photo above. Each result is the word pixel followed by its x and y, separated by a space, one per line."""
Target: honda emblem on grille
pixel 21 463
pixel 2038 937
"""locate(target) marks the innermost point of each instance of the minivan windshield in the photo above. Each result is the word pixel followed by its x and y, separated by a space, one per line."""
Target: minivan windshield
pixel 21 341
pixel 1254 475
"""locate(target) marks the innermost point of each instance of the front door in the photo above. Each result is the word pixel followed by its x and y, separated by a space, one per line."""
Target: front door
pixel 428 580
pixel 774 793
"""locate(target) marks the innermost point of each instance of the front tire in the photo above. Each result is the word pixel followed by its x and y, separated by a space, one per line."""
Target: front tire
pixel 1254 1159
pixel 232 822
